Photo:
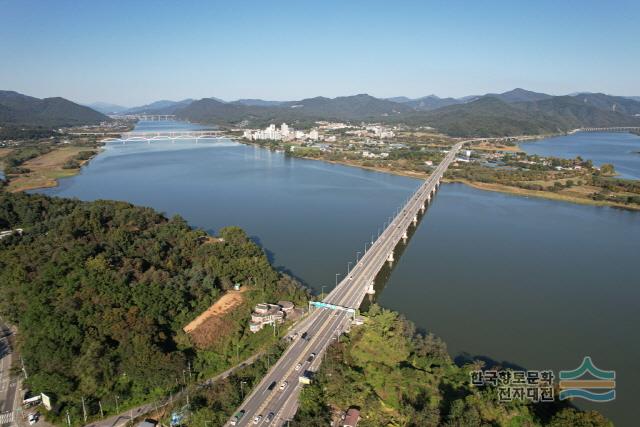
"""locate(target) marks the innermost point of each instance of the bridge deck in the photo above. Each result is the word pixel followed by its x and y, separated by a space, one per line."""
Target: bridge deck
pixel 323 326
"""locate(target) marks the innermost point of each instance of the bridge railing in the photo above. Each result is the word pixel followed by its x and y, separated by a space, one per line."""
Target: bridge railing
pixel 392 234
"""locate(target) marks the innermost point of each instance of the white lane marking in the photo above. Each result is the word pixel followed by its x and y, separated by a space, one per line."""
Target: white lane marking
pixel 6 418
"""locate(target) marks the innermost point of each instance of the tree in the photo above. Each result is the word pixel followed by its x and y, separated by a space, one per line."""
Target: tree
pixel 574 418
pixel 607 169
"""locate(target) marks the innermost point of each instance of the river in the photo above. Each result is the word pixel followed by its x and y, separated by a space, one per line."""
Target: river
pixel 620 149
pixel 527 281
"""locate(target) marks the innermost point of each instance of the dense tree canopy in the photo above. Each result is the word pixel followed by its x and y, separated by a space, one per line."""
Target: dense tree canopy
pixel 397 377
pixel 100 292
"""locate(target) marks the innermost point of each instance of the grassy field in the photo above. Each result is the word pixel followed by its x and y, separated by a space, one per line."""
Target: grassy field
pixel 45 170
pixel 578 194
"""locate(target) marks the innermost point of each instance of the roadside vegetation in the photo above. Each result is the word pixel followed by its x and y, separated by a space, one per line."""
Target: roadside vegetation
pixel 100 292
pixel 398 377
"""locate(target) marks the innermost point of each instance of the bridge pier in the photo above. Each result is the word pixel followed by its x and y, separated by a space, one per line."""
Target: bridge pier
pixel 422 207
pixel 370 289
pixel 415 220
pixel 390 257
pixel 405 236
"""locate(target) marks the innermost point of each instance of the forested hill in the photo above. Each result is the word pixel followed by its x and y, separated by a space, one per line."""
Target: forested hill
pixel 22 110
pixel 396 376
pixel 515 112
pixel 100 291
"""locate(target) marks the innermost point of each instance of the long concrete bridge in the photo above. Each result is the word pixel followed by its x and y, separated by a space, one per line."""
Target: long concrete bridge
pixel 165 136
pixel 610 129
pixel 274 399
pixel 145 117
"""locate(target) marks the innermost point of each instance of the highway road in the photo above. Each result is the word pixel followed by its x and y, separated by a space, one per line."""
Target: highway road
pixel 274 399
pixel 8 385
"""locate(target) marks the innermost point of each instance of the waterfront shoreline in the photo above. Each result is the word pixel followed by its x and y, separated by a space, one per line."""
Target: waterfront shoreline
pixel 500 188
pixel 30 183
pixel 497 188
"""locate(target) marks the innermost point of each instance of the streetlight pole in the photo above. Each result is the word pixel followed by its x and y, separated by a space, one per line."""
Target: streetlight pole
pixel 357 256
pixel 322 291
pixel 337 274
pixel 348 267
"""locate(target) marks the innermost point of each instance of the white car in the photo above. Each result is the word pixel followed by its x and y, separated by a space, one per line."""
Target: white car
pixel 298 366
pixel 257 419
pixel 32 419
pixel 283 385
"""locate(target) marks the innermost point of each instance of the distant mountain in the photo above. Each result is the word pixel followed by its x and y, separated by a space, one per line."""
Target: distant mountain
pixel 258 102
pixel 514 112
pixel 486 116
pixel 19 109
pixel 431 102
pixel 400 99
pixel 469 98
pixel 209 110
pixel 618 104
pixel 106 108
pixel 159 107
pixel 572 112
pixel 520 95
pixel 356 107
pixel 633 98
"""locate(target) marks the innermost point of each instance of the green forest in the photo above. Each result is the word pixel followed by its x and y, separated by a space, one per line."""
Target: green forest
pixel 100 292
pixel 399 377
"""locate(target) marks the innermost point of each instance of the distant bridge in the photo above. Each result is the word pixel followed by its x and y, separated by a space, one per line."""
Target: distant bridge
pixel 166 136
pixel 611 129
pixel 146 117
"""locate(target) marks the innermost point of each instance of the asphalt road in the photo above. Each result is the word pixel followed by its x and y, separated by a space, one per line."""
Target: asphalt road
pixel 8 385
pixel 274 399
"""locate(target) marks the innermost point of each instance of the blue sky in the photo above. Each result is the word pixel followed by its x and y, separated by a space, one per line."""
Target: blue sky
pixel 132 52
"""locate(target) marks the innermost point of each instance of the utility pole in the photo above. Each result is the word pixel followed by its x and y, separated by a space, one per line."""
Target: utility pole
pixel 189 367
pixel 84 410
pixel 23 368
pixel 68 419
pixel 117 407
pixel 101 412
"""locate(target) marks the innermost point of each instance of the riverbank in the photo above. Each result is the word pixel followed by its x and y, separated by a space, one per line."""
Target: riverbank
pixel 578 195
pixel 44 171
pixel 550 195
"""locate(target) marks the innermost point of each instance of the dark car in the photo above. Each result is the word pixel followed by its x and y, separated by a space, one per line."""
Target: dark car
pixel 271 386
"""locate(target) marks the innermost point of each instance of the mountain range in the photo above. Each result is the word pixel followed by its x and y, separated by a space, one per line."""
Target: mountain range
pixel 17 109
pixel 515 112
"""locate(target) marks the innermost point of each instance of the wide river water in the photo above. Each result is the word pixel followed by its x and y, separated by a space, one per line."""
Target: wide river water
pixel 531 282
pixel 620 149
